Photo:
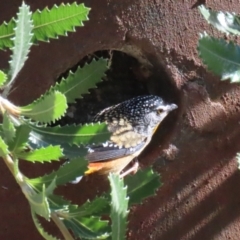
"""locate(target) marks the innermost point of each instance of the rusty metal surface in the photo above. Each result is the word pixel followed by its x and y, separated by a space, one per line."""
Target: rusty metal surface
pixel 200 198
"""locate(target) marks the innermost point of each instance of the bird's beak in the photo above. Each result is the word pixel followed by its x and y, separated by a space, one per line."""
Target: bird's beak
pixel 171 107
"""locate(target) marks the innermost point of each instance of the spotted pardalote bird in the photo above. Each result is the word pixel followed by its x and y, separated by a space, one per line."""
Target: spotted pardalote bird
pixel 132 124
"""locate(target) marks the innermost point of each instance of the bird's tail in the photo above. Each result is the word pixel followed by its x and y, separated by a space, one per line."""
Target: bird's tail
pixel 92 168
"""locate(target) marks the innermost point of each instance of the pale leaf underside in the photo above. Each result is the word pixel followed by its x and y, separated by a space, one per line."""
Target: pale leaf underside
pixel 226 22
pixel 221 57
pixel 21 44
pixel 238 160
pixel 119 207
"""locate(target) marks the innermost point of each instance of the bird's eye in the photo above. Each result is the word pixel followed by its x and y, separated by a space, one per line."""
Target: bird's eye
pixel 159 111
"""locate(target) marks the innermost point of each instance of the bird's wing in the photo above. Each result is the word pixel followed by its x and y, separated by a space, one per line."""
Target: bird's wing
pixel 110 151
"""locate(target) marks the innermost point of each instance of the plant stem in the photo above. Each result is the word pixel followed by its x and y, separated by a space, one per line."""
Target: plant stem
pixel 27 190
pixel 6 105
pixel 61 227
pixel 10 164
pixel 19 176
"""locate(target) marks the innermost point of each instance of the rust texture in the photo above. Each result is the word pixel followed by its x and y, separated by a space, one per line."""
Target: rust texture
pixel 200 198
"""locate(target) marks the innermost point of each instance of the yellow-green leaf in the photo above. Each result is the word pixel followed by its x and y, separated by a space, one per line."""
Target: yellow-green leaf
pixel 79 83
pixel 3 78
pixel 3 148
pixel 48 108
pixel 42 155
pixel 9 130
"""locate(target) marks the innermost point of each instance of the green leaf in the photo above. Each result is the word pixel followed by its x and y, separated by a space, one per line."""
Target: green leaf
pixel 40 229
pixel 22 44
pixel 78 83
pixel 48 23
pixel 3 148
pixel 47 154
pixel 6 33
pixel 39 201
pixel 224 21
pixel 9 130
pixel 83 222
pixel 141 185
pixel 88 227
pixel 58 21
pixel 37 141
pixel 81 134
pixel 3 77
pixel 89 208
pixel 221 57
pixel 21 138
pixel 66 173
pixel 74 151
pixel 39 204
pixel 119 207
pixel 58 203
pixel 48 108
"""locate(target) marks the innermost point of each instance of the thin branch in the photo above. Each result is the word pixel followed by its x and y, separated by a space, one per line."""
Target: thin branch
pixel 61 227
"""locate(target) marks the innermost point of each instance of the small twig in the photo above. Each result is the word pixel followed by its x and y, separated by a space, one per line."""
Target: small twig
pixel 61 227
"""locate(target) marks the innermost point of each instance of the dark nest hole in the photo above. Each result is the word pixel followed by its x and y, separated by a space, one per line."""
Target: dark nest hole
pixel 125 79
